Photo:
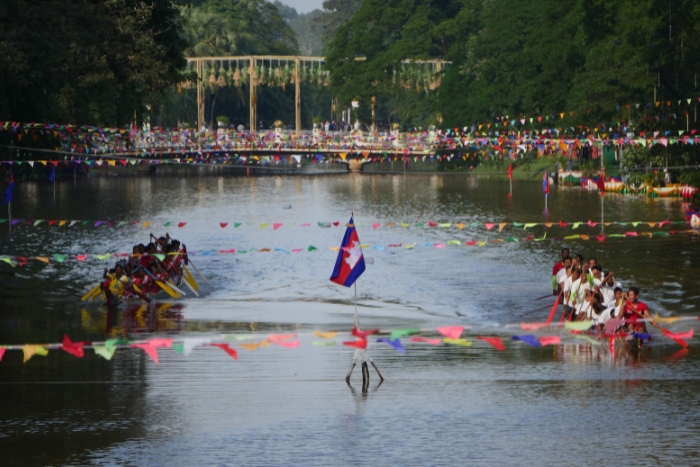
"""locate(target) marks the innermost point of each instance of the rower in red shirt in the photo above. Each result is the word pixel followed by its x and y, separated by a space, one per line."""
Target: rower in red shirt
pixel 637 313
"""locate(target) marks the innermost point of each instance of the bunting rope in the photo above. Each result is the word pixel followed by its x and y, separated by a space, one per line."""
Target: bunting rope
pixel 59 258
pixel 376 225
pixel 443 335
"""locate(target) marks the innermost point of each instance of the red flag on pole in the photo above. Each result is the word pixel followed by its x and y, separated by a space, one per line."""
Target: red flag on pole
pixel 510 171
pixel 601 182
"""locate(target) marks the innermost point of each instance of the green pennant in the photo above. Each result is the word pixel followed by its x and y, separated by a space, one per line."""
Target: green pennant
pixel 59 258
pixel 236 225
pixel 398 333
pixel 167 224
pixel 312 248
pixel 420 225
pixel 179 348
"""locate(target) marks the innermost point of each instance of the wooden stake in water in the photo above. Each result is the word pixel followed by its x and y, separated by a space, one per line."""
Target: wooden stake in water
pixel 545 201
pixel 511 186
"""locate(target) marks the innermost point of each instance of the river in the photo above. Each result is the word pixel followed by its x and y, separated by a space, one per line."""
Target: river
pixel 569 404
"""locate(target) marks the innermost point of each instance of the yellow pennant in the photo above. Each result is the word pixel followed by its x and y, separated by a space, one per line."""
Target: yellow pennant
pixel 43 259
pixel 668 320
pixel 501 226
pixel 325 335
pixel 31 350
pixel 145 224
pixel 461 226
pixel 62 223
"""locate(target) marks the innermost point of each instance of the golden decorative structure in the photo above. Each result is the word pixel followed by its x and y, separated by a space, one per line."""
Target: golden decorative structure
pixel 277 77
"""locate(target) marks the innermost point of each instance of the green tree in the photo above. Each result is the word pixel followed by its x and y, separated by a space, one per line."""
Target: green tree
pixel 87 61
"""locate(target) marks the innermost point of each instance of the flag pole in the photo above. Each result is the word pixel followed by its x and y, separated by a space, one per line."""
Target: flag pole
pixel 357 320
pixel 511 186
pixel 545 201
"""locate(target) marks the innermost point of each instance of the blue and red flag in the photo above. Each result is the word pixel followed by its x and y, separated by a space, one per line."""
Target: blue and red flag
pixel 350 263
pixel 8 192
pixel 545 183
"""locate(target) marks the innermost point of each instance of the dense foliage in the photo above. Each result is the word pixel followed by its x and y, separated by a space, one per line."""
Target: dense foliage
pixel 86 61
pixel 525 57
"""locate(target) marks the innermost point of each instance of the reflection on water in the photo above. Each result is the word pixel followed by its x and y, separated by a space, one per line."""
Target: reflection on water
pixel 275 406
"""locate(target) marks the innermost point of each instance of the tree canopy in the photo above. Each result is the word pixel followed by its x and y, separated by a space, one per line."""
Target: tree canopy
pixel 86 61
pixel 522 57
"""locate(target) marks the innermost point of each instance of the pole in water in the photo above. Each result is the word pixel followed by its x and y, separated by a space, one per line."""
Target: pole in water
pixel 545 201
pixel 511 186
pixel 357 319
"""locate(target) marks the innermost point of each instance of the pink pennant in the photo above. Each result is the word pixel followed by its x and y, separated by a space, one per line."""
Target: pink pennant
pixel 679 335
pixel 223 224
pixel 426 340
pixel 439 245
pixel 592 224
pixel 662 223
pixel 297 250
pixel 288 344
pixel 358 344
pixel 149 349
pixel 2 352
pixel 494 341
pixel 73 348
pixel 394 245
pixel 451 332
pixel 432 224
pixel 363 334
pixel 231 251
pixel 161 342
pixel 601 238
pixel 274 338
pixel 306 224
pixel 549 340
pixel 673 232
pixel 276 226
pixel 181 224
pixel 81 257
pixel 489 226
pixel 532 326
pixel 231 352
pixel 630 234
pixel 374 226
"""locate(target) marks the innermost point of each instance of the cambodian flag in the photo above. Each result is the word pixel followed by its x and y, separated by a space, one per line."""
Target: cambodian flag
pixel 545 183
pixel 350 263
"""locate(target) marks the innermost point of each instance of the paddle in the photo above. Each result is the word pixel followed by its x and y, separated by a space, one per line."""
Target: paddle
pixel 200 274
pixel 190 278
pixel 542 297
pixel 187 283
pixel 91 292
pixel 166 288
pixel 554 308
pixel 175 288
pixel 535 311
pixel 136 291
